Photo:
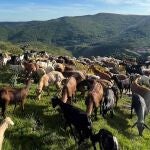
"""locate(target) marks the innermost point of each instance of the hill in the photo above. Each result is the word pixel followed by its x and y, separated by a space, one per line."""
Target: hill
pixel 15 48
pixel 90 34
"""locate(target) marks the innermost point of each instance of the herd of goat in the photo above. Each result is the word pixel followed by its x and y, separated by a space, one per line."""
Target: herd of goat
pixel 101 89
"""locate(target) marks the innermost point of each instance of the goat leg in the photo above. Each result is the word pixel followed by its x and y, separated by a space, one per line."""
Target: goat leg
pixel 131 112
pixel 121 91
pixel 74 98
pixel 22 105
pixel 4 109
pixel 81 139
pixel 15 107
pixel 116 98
pixel 101 105
pixel 111 113
pixel 95 113
pixel 72 132
pixel 94 145
pixel 48 91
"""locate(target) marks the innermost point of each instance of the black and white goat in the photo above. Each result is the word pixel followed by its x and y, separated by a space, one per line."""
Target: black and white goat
pixel 106 140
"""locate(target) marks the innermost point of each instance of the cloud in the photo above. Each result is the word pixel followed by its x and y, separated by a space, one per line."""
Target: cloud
pixel 42 11
pixel 145 3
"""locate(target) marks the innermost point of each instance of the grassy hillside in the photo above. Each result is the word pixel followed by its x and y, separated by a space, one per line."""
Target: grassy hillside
pixel 15 48
pixel 41 126
pixel 126 31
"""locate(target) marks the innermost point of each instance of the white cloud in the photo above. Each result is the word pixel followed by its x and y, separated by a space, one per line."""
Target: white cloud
pixel 34 11
pixel 145 3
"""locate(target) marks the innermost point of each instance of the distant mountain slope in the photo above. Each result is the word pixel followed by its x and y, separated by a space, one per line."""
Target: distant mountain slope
pixel 74 33
pixel 8 47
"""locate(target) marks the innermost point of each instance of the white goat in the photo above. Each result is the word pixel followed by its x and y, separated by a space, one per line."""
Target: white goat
pixel 5 59
pixel 4 125
pixel 54 77
pixel 48 66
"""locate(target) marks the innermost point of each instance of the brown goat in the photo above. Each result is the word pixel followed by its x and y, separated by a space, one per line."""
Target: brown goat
pixel 102 75
pixel 94 98
pixel 13 96
pixel 79 75
pixel 105 83
pixel 30 67
pixel 60 67
pixel 69 90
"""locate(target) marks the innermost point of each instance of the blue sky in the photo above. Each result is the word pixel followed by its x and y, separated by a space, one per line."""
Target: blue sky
pixel 27 10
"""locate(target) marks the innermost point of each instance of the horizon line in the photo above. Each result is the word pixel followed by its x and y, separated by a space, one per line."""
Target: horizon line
pixel 75 16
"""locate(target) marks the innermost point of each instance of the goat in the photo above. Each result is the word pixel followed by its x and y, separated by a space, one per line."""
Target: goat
pixel 94 98
pixel 76 117
pixel 102 75
pixel 79 75
pixel 54 77
pixel 30 68
pixel 138 104
pixel 121 76
pixel 92 76
pixel 108 102
pixel 4 125
pixel 122 84
pixel 13 95
pixel 145 71
pixel 106 140
pixel 145 80
pixel 17 68
pixel 143 91
pixel 60 67
pixel 38 74
pixel 84 86
pixel 5 60
pixel 105 83
pixel 69 90
pixel 47 66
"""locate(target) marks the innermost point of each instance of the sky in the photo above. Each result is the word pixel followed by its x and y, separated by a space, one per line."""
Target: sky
pixel 27 10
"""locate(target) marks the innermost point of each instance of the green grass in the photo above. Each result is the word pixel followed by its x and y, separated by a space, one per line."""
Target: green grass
pixel 41 126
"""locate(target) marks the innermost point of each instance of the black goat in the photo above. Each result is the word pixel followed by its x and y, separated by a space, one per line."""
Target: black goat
pixel 76 117
pixel 106 140
pixel 133 69
pixel 122 84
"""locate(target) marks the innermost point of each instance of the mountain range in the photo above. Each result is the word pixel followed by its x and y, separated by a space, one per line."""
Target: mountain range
pixel 100 34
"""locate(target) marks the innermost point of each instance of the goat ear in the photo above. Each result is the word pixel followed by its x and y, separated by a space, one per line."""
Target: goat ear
pixel 134 125
pixel 146 126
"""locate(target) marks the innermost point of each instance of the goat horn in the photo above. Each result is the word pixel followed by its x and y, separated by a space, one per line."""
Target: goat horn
pixel 146 126
pixel 134 124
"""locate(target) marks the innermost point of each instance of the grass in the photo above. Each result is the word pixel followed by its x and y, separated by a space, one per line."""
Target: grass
pixel 41 127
